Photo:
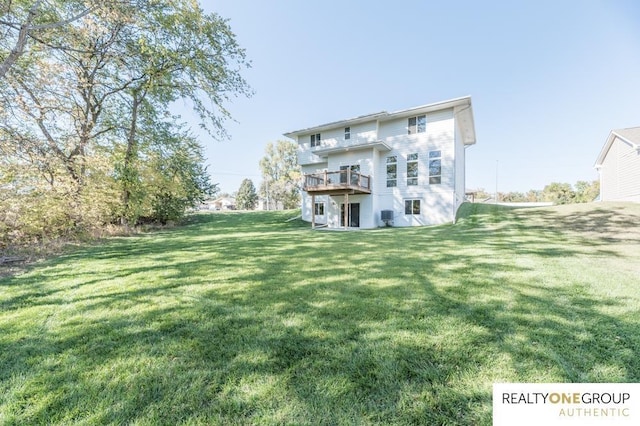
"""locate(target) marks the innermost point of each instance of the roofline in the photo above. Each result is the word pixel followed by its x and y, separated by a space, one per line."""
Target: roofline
pixel 380 145
pixel 384 116
pixel 605 149
pixel 437 106
pixel 341 123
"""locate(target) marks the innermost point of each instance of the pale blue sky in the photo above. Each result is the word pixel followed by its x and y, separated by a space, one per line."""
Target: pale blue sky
pixel 548 79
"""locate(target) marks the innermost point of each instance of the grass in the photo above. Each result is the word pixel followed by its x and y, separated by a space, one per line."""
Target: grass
pixel 249 319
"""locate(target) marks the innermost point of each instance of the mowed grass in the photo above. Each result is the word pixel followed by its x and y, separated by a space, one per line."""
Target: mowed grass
pixel 245 318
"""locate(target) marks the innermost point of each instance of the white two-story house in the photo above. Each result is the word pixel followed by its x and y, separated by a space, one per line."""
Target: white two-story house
pixel 403 168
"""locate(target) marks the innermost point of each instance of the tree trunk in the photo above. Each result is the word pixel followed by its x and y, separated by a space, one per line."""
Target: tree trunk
pixel 130 156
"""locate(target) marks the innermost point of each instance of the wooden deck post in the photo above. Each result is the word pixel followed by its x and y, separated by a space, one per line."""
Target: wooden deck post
pixel 346 210
pixel 313 211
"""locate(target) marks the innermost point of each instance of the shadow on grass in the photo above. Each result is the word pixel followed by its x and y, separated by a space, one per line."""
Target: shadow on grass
pixel 246 318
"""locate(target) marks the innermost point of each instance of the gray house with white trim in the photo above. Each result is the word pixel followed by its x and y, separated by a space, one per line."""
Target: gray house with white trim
pixel 619 166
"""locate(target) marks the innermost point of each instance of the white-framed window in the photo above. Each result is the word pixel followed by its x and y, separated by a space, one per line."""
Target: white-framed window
pixel 412 207
pixel 435 167
pixel 318 209
pixel 417 124
pixel 353 171
pixel 392 171
pixel 347 133
pixel 412 169
pixel 315 140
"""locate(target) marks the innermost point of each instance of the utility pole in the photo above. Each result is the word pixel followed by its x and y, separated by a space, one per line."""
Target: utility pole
pixel 496 193
pixel 266 181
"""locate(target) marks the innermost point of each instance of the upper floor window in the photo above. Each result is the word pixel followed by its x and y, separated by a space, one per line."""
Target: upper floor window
pixel 412 169
pixel 347 133
pixel 315 140
pixel 392 171
pixel 435 167
pixel 417 124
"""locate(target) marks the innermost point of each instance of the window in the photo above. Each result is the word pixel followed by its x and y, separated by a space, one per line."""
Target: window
pixel 347 133
pixel 354 173
pixel 411 207
pixel 315 140
pixel 319 209
pixel 417 124
pixel 412 169
pixel 435 167
pixel 392 171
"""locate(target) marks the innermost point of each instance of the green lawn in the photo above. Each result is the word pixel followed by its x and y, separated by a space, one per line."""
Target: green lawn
pixel 244 318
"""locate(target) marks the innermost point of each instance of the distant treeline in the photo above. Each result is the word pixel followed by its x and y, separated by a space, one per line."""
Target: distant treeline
pixel 557 193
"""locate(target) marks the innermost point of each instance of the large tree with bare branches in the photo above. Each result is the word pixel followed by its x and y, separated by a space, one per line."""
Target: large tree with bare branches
pixel 81 109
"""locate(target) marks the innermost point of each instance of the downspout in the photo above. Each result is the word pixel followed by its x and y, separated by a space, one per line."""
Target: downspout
pixel 599 169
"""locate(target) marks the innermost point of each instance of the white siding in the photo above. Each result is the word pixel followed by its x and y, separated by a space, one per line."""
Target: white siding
pixel 460 172
pixel 306 207
pixel 305 154
pixel 436 199
pixel 360 134
pixel 364 158
pixel 620 173
pixel 367 220
pixel 438 202
pixel 335 138
pixel 435 208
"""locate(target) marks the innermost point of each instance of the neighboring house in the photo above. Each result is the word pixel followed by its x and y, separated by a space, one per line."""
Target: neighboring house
pixel 619 166
pixel 266 204
pixel 222 203
pixel 404 168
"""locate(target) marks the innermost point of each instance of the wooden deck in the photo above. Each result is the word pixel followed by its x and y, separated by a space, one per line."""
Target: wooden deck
pixel 337 182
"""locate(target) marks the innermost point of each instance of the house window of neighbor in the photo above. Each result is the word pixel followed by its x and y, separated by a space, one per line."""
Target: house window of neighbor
pixel 319 209
pixel 412 169
pixel 347 133
pixel 435 167
pixel 411 207
pixel 315 140
pixel 417 124
pixel 392 171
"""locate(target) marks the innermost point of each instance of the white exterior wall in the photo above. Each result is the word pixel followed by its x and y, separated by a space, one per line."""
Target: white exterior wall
pixel 436 199
pixel 439 202
pixel 305 153
pixel 459 174
pixel 620 173
pixel 365 158
pixel 306 207
pixel 333 138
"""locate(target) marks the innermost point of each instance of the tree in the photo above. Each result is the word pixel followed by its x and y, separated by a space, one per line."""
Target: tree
pixel 178 52
pixel 559 193
pixel 246 198
pixel 85 124
pixel 587 192
pixel 281 175
pixel 534 196
pixel 18 24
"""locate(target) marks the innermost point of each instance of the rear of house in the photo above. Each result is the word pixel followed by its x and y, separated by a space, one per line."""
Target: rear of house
pixel 405 168
pixel 619 166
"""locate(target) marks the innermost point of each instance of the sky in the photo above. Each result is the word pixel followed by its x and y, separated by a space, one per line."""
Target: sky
pixel 548 79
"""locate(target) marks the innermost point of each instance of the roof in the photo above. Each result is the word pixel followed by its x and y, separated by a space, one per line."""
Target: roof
pixel 462 108
pixel 341 123
pixel 630 136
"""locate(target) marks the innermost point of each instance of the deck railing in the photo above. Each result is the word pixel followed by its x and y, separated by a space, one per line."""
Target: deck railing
pixel 337 180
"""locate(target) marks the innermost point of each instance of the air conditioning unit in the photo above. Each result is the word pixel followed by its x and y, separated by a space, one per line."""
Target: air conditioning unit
pixel 387 217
